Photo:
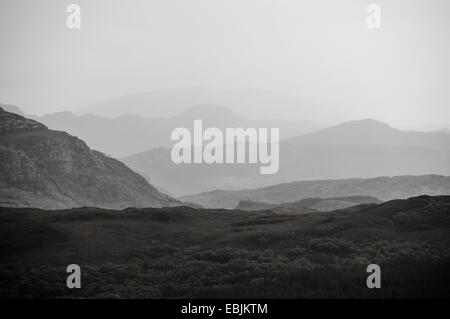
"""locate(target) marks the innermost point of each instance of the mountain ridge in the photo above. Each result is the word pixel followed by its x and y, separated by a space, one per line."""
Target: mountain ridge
pixel 349 150
pixel 52 169
pixel 370 132
pixel 383 188
pixel 169 102
pixel 128 133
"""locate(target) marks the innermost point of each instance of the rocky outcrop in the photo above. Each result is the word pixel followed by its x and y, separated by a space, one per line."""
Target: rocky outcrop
pixel 52 169
pixel 12 122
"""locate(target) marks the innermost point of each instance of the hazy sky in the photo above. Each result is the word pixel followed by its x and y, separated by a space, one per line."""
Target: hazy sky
pixel 321 51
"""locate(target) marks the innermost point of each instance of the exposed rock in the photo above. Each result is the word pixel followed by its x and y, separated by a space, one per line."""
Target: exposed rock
pixel 12 122
pixel 52 169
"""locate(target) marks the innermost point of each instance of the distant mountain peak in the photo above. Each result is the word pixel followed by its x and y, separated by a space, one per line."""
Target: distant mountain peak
pixel 364 124
pixel 208 107
pixel 61 114
pixel 357 132
pixel 208 111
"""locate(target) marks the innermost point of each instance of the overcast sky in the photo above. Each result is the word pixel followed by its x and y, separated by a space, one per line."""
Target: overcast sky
pixel 320 51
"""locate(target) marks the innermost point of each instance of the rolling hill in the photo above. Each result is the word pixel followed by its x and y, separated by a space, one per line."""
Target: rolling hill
pixel 383 188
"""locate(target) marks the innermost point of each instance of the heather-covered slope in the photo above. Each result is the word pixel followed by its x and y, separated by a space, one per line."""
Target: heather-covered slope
pixel 183 252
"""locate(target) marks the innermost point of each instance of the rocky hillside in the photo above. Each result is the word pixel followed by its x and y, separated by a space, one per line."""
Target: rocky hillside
pixel 12 122
pixel 52 169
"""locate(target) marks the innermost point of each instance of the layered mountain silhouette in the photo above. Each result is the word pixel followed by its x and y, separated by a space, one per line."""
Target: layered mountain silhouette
pixel 128 134
pixel 371 132
pixel 364 148
pixel 51 169
pixel 248 102
pixel 382 188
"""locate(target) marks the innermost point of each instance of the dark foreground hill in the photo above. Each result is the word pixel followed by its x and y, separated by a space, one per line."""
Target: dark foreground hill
pixel 183 252
pixel 52 170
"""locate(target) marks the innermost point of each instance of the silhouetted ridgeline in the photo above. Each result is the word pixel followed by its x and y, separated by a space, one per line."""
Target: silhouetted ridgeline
pixel 355 149
pixel 130 133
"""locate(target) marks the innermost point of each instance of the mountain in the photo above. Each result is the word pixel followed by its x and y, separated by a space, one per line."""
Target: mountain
pixel 182 179
pixel 12 109
pixel 319 204
pixel 52 169
pixel 248 102
pixel 383 188
pixel 371 132
pixel 116 137
pixel 128 134
pixel 209 113
pixel 180 252
pixel 356 149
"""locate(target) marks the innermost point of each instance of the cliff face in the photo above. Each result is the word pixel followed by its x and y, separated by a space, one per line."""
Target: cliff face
pixel 52 169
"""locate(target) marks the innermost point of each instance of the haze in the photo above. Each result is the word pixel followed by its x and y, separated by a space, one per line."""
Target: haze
pixel 319 51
